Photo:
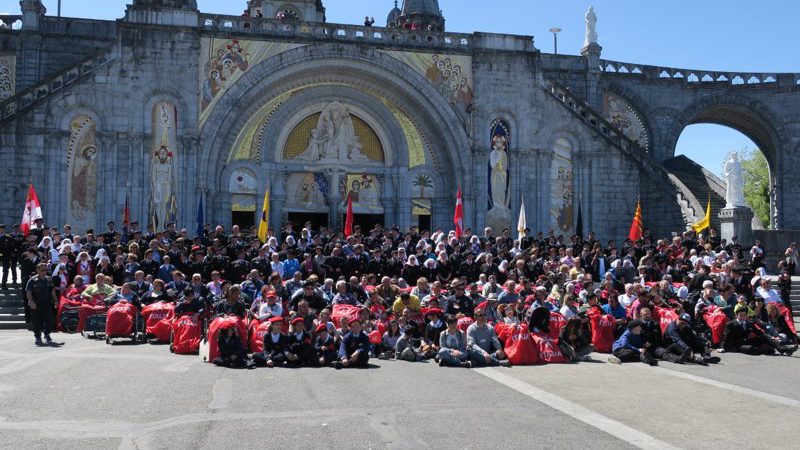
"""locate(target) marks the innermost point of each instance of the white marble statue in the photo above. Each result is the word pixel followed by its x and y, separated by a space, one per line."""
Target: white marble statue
pixel 734 181
pixel 591 27
pixel 334 138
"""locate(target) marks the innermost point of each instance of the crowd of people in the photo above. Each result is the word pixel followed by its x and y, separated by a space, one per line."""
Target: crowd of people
pixel 462 301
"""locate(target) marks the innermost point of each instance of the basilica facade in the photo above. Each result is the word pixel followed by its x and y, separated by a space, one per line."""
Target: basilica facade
pixel 168 106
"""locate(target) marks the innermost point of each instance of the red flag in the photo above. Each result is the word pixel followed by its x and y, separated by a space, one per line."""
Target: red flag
pixel 348 221
pixel 458 217
pixel 126 214
pixel 637 229
pixel 33 211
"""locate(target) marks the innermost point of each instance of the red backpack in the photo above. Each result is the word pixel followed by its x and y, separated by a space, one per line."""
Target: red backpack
pixel 665 317
pixel 520 347
pixel 602 328
pixel 119 320
pixel 547 349
pixel 185 334
pixel 557 322
pixel 154 314
pixel 716 320
pixel 345 312
pixel 218 325
pixel 257 332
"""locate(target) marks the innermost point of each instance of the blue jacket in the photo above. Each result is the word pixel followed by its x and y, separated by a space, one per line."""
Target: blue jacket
pixel 619 312
pixel 628 340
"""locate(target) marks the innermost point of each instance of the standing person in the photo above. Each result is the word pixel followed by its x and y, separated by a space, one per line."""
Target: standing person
pixel 6 251
pixel 42 301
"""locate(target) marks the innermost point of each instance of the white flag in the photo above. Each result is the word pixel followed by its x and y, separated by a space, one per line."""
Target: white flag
pixel 523 222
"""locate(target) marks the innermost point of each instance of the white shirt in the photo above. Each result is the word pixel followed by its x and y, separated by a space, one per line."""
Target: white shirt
pixel 769 296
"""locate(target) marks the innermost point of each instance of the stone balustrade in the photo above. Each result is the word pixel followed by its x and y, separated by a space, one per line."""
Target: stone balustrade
pixel 9 21
pixel 335 32
pixel 696 76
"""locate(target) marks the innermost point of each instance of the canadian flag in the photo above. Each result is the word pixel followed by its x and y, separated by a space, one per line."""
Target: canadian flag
pixel 458 217
pixel 33 211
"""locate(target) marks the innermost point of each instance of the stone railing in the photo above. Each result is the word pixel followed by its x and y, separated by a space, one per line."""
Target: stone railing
pixel 8 21
pixel 607 130
pixel 31 96
pixel 334 32
pixel 696 76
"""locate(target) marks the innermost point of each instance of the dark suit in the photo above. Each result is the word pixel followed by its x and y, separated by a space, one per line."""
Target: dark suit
pixel 273 350
pixel 745 338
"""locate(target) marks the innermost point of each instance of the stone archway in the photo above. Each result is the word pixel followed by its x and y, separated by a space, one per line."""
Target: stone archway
pixel 372 72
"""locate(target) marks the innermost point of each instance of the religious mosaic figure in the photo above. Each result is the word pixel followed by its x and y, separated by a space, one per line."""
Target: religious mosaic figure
pixel 228 60
pixel 364 190
pixel 499 212
pixel 308 193
pixel 334 138
pixel 162 165
pixel 734 181
pixel 82 181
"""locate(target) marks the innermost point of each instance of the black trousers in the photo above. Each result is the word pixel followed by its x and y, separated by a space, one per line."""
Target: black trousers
pixel 278 358
pixel 42 320
pixel 361 360
pixel 628 355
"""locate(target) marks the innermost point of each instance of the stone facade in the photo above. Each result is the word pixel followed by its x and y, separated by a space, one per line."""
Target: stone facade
pixel 247 91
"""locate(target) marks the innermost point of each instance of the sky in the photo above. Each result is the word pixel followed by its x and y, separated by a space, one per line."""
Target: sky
pixel 724 35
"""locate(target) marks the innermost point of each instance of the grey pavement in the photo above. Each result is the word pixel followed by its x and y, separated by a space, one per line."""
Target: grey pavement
pixel 90 395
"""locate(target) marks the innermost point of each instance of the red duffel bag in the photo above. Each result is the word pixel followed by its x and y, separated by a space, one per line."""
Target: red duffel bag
pixel 715 319
pixel 219 324
pixel 602 328
pixel 547 349
pixel 258 329
pixel 120 319
pixel 665 317
pixel 185 334
pixel 520 347
pixel 158 319
pixel 557 322
pixel 346 312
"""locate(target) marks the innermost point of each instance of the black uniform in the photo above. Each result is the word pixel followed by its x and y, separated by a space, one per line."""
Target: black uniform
pixel 303 347
pixel 41 293
pixel 274 350
pixel 6 251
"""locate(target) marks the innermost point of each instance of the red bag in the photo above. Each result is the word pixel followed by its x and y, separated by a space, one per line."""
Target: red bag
pixel 788 316
pixel 547 349
pixel 375 337
pixel 346 312
pixel 89 309
pixel 665 317
pixel 602 328
pixel 185 334
pixel 218 325
pixel 119 321
pixel 505 331
pixel 716 320
pixel 520 348
pixel 257 333
pixel 154 314
pixel 557 322
pixel 464 323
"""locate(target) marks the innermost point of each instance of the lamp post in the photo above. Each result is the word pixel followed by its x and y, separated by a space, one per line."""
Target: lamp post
pixel 555 32
pixel 59 8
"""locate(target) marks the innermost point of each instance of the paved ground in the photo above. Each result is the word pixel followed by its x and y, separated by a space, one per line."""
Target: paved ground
pixel 90 395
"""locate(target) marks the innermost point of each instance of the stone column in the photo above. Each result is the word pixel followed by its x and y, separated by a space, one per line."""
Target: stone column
pixel 591 55
pixel 33 12
pixel 335 210
pixel 277 199
pixel 737 221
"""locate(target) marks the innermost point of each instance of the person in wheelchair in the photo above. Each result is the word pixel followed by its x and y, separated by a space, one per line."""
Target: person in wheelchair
pixel 125 293
pixel 99 288
pixel 232 304
pixel 231 351
pixel 188 303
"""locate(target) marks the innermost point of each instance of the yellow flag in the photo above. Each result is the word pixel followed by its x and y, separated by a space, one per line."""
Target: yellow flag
pixel 706 221
pixel 263 224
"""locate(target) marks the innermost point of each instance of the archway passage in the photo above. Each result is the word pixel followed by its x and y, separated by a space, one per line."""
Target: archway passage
pixel 697 172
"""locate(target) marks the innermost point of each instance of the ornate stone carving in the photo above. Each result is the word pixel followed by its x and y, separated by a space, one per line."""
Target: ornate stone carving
pixel 334 138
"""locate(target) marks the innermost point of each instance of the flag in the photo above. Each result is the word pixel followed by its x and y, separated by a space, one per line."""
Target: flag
pixel 263 224
pixel 33 211
pixel 200 218
pixel 579 224
pixel 522 224
pixel 706 221
pixel 348 220
pixel 458 217
pixel 126 220
pixel 637 229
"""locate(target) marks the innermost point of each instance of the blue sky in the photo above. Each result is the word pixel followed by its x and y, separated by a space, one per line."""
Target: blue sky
pixel 710 34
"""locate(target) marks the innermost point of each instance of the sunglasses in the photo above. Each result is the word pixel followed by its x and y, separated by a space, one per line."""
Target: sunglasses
pixel 480 315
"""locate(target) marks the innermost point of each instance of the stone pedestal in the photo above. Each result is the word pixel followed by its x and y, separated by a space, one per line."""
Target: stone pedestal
pixel 33 12
pixel 737 221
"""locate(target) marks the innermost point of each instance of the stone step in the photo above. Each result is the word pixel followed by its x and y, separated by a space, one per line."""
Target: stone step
pixel 13 325
pixel 9 317
pixel 19 310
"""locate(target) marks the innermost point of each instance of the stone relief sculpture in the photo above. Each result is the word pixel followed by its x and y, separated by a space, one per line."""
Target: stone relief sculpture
pixel 334 138
pixel 734 181
pixel 163 206
pixel 82 160
pixel 591 27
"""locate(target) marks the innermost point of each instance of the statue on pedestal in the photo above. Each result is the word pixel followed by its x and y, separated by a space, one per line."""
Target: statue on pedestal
pixel 591 27
pixel 734 181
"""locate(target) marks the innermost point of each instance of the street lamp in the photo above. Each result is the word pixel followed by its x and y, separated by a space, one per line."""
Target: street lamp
pixel 555 32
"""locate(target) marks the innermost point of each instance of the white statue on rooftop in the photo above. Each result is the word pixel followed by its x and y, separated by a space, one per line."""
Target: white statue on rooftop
pixel 591 27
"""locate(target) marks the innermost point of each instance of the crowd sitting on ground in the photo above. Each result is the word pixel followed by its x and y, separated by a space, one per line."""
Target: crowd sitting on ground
pixel 466 301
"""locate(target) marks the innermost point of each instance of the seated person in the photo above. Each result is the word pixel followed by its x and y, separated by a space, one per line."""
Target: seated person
pixel 354 348
pixel 433 330
pixel 682 344
pixel 630 347
pixel 482 343
pixel 651 332
pixel 188 303
pixel 264 309
pixel 453 345
pixel 743 336
pixel 325 346
pixel 408 346
pixel 231 350
pixel 124 294
pixel 156 294
pixel 301 348
pixel 98 290
pixel 276 345
pixel 231 304
pixel 406 300
pixel 778 327
pixel 575 341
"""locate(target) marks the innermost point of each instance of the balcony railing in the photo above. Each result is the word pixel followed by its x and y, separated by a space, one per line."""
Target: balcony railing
pixel 696 76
